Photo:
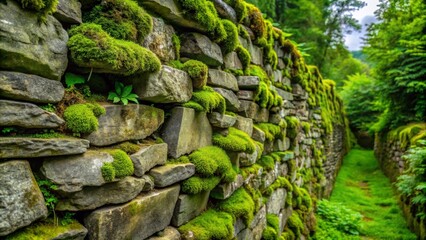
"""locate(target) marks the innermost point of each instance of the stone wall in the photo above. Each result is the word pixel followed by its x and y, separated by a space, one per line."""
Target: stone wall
pixel 176 165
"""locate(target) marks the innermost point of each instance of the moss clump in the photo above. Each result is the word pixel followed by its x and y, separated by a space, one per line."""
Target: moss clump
pixel 267 162
pixel 293 124
pixel 194 185
pixel 42 7
pixel 231 41
pixel 198 71
pixel 408 134
pixel 208 99
pixel 177 45
pixel 90 46
pixel 266 97
pixel 239 204
pixel 254 70
pixel 244 56
pixel 121 166
pixel 210 225
pixel 129 148
pixel 235 141
pixel 257 23
pixel 273 227
pixel 281 182
pixel 271 131
pixel 306 127
pixel 121 19
pixel 82 118
pixel 243 32
pixel 269 233
pixel 45 229
pixel 295 224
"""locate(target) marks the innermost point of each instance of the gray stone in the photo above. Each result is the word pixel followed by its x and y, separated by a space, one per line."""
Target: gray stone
pixel 31 88
pixel 244 124
pixel 93 197
pixel 12 147
pixel 252 110
pixel 284 94
pixel 72 173
pixel 275 118
pixel 186 131
pixel 248 82
pixel 246 95
pixel 247 159
pixel 168 9
pixel 285 215
pixel 30 47
pixel 69 11
pixel 143 216
pixel 21 200
pixel 225 11
pixel 222 79
pixel 171 173
pixel 231 61
pixel 262 115
pixel 148 157
pixel 258 224
pixel 281 64
pixel 169 85
pixel 278 75
pixel 27 115
pixel 169 233
pixel 244 234
pixel 221 120
pixel 276 201
pixel 286 81
pixel 281 144
pixel 199 47
pixel 258 135
pixel 188 207
pixel 149 183
pixel 122 123
pixel 239 226
pixel 256 55
pixel 159 41
pixel 232 102
pixel 225 190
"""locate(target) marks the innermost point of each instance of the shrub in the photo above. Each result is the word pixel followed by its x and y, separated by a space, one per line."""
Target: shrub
pixel 82 118
pixel 235 141
pixel 339 217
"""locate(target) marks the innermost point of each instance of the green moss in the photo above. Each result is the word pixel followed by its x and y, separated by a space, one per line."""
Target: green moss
pixel 306 127
pixel 243 32
pixel 108 172
pixel 266 97
pixel 295 224
pixel 269 233
pixel 267 162
pixel 205 160
pixel 198 71
pixel 121 166
pixel 177 45
pixel 235 141
pixel 273 221
pixel 257 23
pixel 129 148
pixel 195 184
pixel 42 230
pixel 281 182
pixel 231 41
pixel 244 56
pixel 254 70
pixel 121 19
pixel 271 131
pixel 408 134
pixel 42 7
pixel 253 169
pixel 90 46
pixel 208 99
pixel 241 9
pixel 81 118
pixel 239 204
pixel 194 105
pixel 210 225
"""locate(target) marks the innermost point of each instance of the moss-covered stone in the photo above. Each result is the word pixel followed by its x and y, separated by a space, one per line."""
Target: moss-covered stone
pixel 235 141
pixel 231 41
pixel 240 205
pixel 208 99
pixel 82 118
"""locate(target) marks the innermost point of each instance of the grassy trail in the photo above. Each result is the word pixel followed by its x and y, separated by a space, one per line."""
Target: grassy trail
pixel 362 187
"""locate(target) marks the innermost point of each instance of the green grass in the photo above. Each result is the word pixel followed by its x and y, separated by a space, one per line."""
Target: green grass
pixel 361 186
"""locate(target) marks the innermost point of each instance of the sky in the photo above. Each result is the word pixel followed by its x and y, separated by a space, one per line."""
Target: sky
pixel 365 16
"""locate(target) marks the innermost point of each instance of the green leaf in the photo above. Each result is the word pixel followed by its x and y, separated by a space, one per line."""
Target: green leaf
pixel 126 91
pixel 73 79
pixel 116 100
pixel 125 101
pixel 133 100
pixel 112 95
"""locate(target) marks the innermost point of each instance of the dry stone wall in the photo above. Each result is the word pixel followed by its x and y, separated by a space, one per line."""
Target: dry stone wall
pixel 236 145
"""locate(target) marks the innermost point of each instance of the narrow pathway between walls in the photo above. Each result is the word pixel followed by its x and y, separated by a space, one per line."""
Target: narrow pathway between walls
pixel 362 187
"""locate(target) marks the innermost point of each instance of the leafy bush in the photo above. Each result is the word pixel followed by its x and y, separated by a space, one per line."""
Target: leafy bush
pixel 339 217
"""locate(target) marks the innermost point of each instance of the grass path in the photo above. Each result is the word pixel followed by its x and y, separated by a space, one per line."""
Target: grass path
pixel 362 187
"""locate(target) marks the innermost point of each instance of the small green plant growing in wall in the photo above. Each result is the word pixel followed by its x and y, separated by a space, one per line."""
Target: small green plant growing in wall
pixel 122 94
pixel 47 188
pixel 83 118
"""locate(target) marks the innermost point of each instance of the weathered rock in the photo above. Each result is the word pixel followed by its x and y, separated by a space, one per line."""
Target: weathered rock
pixel 276 201
pixel 122 123
pixel 284 94
pixel 225 11
pixel 248 82
pixel 148 157
pixel 232 102
pixel 169 233
pixel 11 147
pixel 31 88
pixel 258 135
pixel 93 197
pixel 72 173
pixel 281 64
pixel 231 61
pixel 145 215
pixel 69 11
pixel 222 79
pixel 247 159
pixel 149 183
pixel 252 110
pixel 277 76
pixel 245 234
pixel 21 200
pixel 188 207
pixel 281 144
pixel 258 224
pixel 256 55
pixel 224 191
pixel 244 124
pixel 168 9
pixel 49 230
pixel 27 115
pixel 169 85
pixel 186 131
pixel 199 47
pixel 239 226
pixel 159 41
pixel 245 95
pixel 285 215
pixel 221 120
pixel 171 173
pixel 275 118
pixel 30 47
pixel 262 115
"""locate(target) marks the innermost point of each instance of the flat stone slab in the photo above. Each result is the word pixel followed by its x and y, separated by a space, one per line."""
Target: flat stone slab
pixel 186 131
pixel 199 47
pixel 93 197
pixel 284 94
pixel 72 173
pixel 246 95
pixel 143 216
pixel 224 191
pixel 21 200
pixel 169 233
pixel 256 55
pixel 148 157
pixel 188 207
pixel 244 124
pixel 248 82
pixel 19 147
pixel 221 120
pixel 276 201
pixel 169 85
pixel 40 230
pixel 27 115
pixel 232 101
pixel 122 123
pixel 231 61
pixel 171 173
pixel 218 78
pixel 69 11
pixel 31 88
pixel 252 110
